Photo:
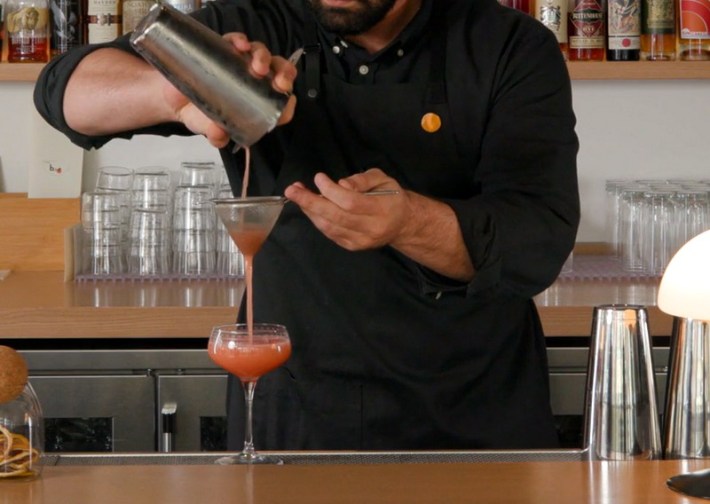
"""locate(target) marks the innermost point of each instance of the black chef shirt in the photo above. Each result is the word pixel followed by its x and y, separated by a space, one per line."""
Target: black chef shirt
pixel 466 366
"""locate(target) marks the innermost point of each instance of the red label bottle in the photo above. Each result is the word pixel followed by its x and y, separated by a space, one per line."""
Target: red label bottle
pixel 587 30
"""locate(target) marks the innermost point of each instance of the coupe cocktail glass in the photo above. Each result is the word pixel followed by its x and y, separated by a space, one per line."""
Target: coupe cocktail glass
pixel 248 356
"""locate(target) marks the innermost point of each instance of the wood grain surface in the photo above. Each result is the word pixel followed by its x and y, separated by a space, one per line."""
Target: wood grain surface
pixel 32 231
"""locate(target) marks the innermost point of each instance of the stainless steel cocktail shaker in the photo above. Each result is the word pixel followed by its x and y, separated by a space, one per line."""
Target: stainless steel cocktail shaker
pixel 210 72
pixel 687 413
pixel 621 416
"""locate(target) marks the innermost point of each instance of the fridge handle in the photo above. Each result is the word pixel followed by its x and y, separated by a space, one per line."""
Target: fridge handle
pixel 167 417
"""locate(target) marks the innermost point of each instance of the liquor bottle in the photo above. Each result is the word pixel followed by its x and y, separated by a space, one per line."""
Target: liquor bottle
pixel 102 21
pixel 587 30
pixel 132 12
pixel 694 30
pixel 623 30
pixel 521 5
pixel 658 40
pixel 27 31
pixel 66 25
pixel 553 14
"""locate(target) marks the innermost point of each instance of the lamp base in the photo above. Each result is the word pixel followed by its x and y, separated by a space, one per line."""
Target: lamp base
pixel 694 484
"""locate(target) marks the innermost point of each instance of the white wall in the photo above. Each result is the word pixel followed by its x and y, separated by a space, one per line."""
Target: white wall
pixel 638 129
pixel 627 129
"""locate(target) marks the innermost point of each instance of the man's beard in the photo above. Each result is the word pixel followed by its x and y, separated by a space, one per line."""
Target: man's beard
pixel 345 22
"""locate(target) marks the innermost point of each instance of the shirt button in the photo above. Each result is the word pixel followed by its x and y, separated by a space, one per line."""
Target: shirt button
pixel 336 49
pixel 400 52
pixel 363 69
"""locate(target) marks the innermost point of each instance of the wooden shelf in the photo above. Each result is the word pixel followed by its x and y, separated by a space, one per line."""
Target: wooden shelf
pixel 638 70
pixel 579 70
pixel 20 72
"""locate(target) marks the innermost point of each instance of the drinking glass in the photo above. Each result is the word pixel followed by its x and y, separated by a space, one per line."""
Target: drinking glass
pixel 117 180
pixel 631 230
pixel 613 189
pixel 698 212
pixel 198 173
pixel 152 178
pixel 193 237
pixel 659 225
pixel 102 234
pixel 148 244
pixel 152 187
pixel 114 178
pixel 249 355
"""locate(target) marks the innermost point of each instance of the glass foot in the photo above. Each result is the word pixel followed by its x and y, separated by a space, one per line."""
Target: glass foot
pixel 249 458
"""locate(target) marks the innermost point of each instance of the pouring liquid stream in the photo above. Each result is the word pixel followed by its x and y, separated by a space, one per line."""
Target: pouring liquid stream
pixel 249 242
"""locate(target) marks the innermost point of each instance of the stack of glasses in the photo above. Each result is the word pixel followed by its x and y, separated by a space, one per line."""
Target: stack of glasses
pixel 649 220
pixel 142 224
pixel 150 222
pixel 103 234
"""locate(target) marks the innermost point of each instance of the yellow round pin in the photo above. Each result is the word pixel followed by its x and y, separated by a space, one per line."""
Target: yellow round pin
pixel 431 122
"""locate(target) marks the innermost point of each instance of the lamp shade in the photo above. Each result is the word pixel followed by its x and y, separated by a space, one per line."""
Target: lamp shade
pixel 685 286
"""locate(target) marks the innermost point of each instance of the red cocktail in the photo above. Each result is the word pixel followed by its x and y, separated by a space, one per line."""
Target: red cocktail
pixel 248 356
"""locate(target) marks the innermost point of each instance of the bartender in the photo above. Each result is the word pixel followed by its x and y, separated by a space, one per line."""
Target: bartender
pixel 411 315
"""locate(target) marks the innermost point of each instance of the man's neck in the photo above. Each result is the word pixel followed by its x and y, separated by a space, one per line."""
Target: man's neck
pixel 383 33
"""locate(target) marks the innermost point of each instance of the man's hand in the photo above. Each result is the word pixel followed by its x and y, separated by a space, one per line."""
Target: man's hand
pixel 262 62
pixel 423 229
pixel 350 218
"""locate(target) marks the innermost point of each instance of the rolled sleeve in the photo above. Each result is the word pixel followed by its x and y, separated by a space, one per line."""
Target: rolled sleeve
pixel 51 86
pixel 522 226
pixel 49 94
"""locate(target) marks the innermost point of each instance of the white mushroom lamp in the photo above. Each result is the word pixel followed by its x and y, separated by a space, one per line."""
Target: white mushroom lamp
pixel 685 293
pixel 685 286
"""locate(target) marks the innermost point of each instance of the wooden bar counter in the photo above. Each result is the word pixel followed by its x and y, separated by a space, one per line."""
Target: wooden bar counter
pixel 40 304
pixel 503 482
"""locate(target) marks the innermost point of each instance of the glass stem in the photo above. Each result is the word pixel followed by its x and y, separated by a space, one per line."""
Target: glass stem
pixel 249 387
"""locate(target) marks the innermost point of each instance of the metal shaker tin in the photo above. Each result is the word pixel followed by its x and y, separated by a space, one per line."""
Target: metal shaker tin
pixel 210 72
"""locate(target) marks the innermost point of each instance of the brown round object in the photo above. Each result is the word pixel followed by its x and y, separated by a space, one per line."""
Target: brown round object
pixel 13 374
pixel 431 122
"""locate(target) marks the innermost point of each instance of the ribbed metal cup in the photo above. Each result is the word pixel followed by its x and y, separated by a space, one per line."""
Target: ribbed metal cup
pixel 621 416
pixel 686 431
pixel 210 72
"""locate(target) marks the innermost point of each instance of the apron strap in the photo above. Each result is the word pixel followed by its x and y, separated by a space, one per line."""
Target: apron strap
pixel 311 51
pixel 436 91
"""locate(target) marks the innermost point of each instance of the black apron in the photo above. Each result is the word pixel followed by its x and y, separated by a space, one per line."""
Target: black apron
pixel 373 366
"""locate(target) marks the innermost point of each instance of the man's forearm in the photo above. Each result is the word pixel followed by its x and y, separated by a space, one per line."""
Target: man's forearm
pixel 433 239
pixel 112 91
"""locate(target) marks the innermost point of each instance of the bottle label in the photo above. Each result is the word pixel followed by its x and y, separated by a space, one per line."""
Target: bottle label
pixel 553 14
pixel 624 24
pixel 694 19
pixel 133 12
pixel 104 21
pixel 27 30
pixel 587 25
pixel 27 21
pixel 659 17
pixel 66 31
